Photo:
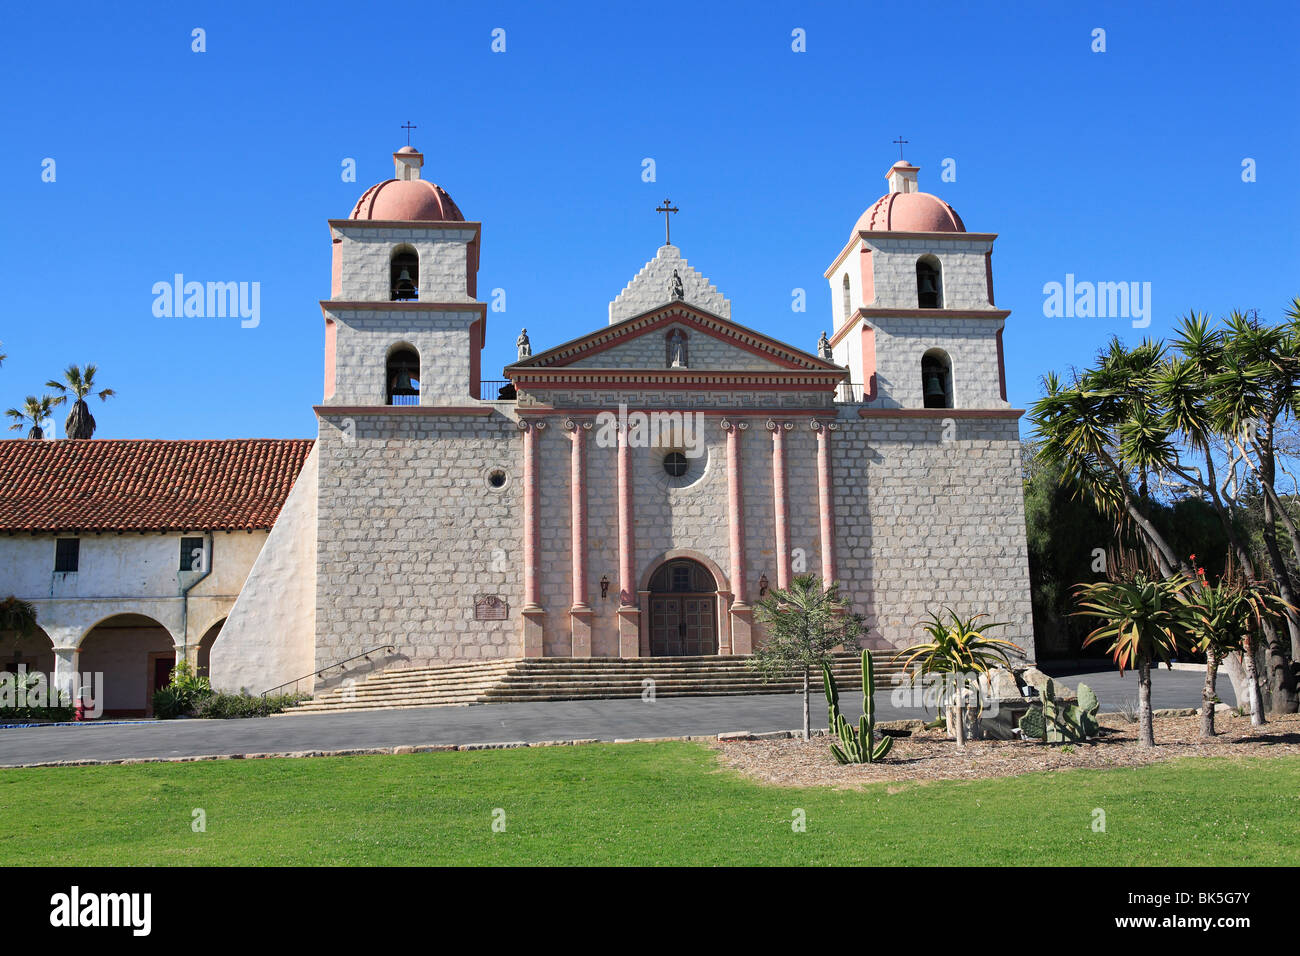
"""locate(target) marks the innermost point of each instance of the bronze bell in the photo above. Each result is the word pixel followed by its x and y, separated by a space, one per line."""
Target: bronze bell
pixel 405 287
pixel 926 284
pixel 934 387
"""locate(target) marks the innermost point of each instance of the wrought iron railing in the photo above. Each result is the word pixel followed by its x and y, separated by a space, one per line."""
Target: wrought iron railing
pixel 317 673
pixel 501 390
pixel 398 398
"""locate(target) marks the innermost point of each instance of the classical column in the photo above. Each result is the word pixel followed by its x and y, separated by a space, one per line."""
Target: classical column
pixel 580 613
pixel 629 617
pixel 826 500
pixel 533 614
pixel 781 502
pixel 741 612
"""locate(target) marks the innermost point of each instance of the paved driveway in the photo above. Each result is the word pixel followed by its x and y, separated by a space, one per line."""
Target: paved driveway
pixel 500 723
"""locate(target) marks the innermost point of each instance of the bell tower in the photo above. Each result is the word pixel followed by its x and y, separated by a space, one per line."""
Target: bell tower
pixel 403 325
pixel 912 305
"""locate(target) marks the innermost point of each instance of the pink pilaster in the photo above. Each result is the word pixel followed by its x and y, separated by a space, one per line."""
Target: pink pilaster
pixel 741 613
pixel 580 613
pixel 532 613
pixel 781 503
pixel 826 501
pixel 629 617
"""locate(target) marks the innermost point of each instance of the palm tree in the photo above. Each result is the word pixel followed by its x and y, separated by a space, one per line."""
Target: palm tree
pixel 34 410
pixel 957 648
pixel 80 382
pixel 1147 619
pixel 18 616
pixel 805 624
pixel 2 356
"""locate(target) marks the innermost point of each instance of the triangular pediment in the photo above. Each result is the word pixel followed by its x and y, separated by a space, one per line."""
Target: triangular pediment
pixel 709 342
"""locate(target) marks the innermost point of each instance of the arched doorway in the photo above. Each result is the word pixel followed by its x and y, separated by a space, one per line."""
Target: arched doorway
pixel 135 654
pixel 683 602
pixel 203 659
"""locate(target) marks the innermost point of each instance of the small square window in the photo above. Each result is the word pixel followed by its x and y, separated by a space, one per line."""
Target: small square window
pixel 191 554
pixel 67 554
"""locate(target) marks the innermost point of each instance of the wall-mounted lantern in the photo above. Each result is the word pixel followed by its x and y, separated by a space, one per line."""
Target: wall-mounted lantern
pixel 604 587
pixel 762 585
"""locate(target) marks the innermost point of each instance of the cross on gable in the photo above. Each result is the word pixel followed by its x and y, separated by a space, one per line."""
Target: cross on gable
pixel 667 209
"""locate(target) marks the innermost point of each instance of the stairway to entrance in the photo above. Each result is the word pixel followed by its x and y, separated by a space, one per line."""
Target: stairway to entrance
pixel 564 678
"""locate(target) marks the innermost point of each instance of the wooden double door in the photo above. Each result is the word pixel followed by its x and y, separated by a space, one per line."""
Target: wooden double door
pixel 683 625
pixel 683 610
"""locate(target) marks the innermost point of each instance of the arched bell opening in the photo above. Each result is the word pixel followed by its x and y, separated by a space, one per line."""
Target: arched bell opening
pixel 936 379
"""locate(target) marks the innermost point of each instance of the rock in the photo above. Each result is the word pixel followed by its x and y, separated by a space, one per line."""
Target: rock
pixel 1035 679
pixel 1002 684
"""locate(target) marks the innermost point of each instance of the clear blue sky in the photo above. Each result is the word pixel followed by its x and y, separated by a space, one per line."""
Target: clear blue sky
pixel 225 165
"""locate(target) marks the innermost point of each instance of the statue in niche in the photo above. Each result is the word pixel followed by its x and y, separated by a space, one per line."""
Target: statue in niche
pixel 675 288
pixel 824 347
pixel 523 345
pixel 677 349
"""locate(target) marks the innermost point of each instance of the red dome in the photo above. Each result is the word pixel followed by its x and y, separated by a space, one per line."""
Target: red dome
pixel 407 200
pixel 910 212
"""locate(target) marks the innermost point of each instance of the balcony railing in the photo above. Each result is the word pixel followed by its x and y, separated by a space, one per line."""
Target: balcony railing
pixel 502 390
pixel 404 398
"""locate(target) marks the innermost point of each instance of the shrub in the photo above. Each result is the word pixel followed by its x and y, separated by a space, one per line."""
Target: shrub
pixel 184 694
pixel 236 706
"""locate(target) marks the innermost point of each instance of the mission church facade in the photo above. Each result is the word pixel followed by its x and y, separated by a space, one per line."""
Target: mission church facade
pixel 633 491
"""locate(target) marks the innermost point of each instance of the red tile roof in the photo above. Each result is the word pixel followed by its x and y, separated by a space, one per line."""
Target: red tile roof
pixel 146 485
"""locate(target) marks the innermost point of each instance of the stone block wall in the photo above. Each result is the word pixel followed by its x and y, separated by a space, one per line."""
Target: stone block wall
pixel 924 521
pixel 409 532
pixel 972 349
pixel 365 337
pixel 364 255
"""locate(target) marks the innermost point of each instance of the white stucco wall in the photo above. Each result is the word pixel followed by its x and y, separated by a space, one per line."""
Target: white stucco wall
pixel 270 635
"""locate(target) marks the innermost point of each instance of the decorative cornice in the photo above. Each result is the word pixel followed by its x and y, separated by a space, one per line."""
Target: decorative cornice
pixel 941 413
pixel 723 329
pixel 340 305
pixel 797 380
pixel 426 224
pixel 381 410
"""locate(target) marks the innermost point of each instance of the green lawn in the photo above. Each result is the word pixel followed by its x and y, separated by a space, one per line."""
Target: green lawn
pixel 666 803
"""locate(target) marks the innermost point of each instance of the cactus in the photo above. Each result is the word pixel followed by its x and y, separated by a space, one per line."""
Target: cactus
pixel 1058 721
pixel 1088 707
pixel 857 744
pixel 1032 724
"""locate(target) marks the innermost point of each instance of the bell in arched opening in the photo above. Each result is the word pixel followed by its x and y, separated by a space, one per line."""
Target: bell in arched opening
pixel 403 378
pixel 936 382
pixel 929 288
pixel 405 276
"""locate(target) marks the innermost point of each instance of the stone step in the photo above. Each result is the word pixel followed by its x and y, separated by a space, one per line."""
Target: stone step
pixel 560 678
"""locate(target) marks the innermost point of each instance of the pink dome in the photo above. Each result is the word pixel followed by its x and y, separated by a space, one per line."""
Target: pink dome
pixel 910 212
pixel 407 200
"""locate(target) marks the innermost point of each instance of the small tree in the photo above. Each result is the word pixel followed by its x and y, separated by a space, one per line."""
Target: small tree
pixel 79 383
pixel 1147 619
pixel 805 624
